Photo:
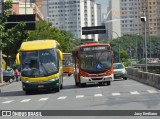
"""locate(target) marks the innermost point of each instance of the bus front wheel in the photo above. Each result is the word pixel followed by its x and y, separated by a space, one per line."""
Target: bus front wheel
pixel 57 89
pixel 108 83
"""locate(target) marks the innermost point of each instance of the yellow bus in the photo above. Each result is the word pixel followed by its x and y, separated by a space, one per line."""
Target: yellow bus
pixel 68 67
pixel 41 65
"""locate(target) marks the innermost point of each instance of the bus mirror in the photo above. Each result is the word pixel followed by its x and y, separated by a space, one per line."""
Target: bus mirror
pixel 17 59
pixel 60 54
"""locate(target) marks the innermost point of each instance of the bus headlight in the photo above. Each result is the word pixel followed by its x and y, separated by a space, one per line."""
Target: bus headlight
pixel 24 81
pixel 55 79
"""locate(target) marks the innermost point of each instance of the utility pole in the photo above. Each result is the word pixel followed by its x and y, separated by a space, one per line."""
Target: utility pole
pixel 143 19
pixel 25 8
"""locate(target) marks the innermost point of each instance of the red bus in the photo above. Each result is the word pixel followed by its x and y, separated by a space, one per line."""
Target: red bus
pixel 93 63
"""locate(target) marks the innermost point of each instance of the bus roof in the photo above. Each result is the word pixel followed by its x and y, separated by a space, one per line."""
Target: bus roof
pixel 90 44
pixel 39 45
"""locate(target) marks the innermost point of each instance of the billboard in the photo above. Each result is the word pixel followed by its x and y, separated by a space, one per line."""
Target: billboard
pixel 93 30
pixel 29 19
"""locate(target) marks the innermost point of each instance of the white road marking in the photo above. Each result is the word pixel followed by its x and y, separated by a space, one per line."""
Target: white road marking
pixel 61 98
pixel 152 91
pixel 114 94
pixel 98 95
pixel 98 87
pixel 9 101
pixel 79 96
pixel 43 99
pixel 134 93
pixel 26 100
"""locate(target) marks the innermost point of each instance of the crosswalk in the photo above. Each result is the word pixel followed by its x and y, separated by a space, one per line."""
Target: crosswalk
pixel 83 96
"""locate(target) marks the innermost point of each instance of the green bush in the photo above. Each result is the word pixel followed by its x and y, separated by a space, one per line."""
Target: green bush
pixel 127 63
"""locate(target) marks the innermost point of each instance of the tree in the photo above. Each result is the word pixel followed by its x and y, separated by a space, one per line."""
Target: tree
pixel 11 38
pixel 124 55
pixel 45 30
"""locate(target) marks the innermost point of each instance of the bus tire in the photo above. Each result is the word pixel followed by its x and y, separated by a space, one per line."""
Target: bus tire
pixel 82 84
pixel 27 92
pixel 61 87
pixel 108 83
pixel 77 83
pixel 57 89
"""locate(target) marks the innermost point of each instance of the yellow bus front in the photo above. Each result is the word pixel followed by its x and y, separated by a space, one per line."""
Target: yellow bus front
pixel 41 68
pixel 68 67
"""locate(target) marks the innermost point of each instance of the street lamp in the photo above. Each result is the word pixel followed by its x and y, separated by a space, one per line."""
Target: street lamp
pixel 150 45
pixel 143 19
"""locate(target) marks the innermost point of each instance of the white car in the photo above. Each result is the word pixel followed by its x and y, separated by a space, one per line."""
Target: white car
pixel 119 71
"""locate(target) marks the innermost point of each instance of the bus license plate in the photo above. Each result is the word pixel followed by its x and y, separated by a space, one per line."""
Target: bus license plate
pixel 40 86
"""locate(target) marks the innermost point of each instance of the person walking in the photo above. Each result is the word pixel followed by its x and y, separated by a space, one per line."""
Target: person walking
pixel 17 73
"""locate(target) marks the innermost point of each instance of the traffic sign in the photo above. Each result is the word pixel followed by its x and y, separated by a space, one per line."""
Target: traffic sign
pixel 93 30
pixel 29 19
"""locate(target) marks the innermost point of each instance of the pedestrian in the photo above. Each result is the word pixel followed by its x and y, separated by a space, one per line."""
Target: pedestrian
pixel 17 73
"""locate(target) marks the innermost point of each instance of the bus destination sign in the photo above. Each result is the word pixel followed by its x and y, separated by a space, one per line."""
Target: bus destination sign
pixel 94 48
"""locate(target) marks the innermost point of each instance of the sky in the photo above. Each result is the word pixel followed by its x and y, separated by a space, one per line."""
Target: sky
pixel 103 5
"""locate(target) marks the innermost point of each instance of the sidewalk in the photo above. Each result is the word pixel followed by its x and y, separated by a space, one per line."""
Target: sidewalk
pixel 3 84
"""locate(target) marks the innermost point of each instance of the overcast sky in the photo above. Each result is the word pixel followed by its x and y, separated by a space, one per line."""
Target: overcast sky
pixel 103 5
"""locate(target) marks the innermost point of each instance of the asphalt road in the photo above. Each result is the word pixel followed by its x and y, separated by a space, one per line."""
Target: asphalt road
pixel 120 95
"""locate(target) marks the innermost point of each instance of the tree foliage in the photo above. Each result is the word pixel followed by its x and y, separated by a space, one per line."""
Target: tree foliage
pixel 45 30
pixel 133 43
pixel 11 38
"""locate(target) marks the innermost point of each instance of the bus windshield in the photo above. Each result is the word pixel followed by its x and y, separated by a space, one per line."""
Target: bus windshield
pixel 67 60
pixel 39 63
pixel 95 62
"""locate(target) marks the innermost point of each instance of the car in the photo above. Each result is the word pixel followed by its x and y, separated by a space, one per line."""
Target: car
pixel 119 71
pixel 8 75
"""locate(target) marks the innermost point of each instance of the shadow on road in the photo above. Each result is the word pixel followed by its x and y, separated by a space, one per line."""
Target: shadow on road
pixel 22 93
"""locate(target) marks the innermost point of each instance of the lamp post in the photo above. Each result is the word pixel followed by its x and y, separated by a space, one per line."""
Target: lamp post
pixel 143 19
pixel 150 45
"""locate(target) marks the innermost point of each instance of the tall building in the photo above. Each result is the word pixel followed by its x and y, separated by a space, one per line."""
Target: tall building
pixel 130 13
pixel 72 15
pixel 152 12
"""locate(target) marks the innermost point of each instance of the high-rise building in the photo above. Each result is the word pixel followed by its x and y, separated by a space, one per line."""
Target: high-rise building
pixel 72 15
pixel 130 13
pixel 152 12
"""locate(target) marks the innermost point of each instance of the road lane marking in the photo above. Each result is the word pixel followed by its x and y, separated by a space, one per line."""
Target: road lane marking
pixel 26 100
pixel 114 94
pixel 98 95
pixel 134 93
pixel 152 91
pixel 43 99
pixel 79 96
pixel 9 101
pixel 62 98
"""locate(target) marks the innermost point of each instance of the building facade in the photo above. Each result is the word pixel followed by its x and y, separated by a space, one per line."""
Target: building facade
pixel 130 13
pixel 72 15
pixel 26 7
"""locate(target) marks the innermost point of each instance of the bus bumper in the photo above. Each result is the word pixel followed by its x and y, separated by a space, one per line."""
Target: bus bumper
pixel 96 79
pixel 40 85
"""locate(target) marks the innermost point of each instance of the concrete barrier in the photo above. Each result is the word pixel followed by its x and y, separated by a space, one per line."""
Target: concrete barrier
pixel 144 77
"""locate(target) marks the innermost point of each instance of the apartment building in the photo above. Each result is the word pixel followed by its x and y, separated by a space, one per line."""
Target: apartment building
pixel 130 13
pixel 27 7
pixel 152 12
pixel 72 15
